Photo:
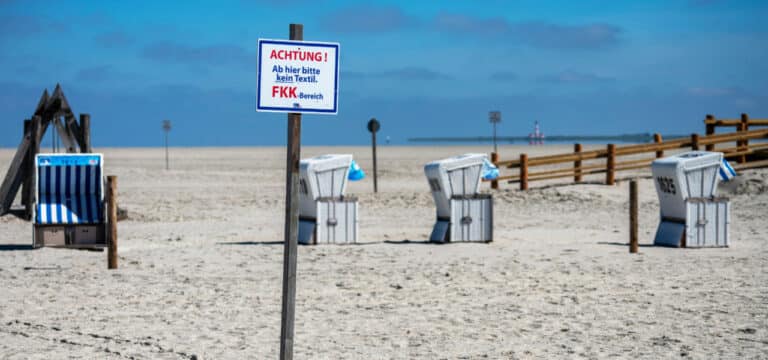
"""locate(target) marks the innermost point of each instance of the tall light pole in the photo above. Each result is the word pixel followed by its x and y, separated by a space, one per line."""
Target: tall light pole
pixel 167 129
pixel 494 117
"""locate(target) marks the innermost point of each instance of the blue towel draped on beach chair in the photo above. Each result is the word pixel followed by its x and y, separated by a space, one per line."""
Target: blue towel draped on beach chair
pixel 356 173
pixel 70 189
pixel 490 171
pixel 726 171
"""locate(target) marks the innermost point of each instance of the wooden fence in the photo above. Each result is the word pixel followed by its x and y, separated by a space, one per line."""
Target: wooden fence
pixel 747 156
pixel 741 124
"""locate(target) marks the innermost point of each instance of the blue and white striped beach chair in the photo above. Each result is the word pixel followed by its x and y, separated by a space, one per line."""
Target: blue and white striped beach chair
pixel 70 201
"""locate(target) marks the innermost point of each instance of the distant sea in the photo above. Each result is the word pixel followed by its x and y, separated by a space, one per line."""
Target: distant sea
pixel 553 139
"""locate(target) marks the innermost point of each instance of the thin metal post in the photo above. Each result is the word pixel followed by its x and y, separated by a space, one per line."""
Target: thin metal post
pixel 495 148
pixel 291 223
pixel 373 127
pixel 495 117
pixel 167 129
pixel 167 167
pixel 375 172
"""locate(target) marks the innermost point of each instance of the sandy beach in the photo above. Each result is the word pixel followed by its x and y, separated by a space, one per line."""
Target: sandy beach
pixel 201 270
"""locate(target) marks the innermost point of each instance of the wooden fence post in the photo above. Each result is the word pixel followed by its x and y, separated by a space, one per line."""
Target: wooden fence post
pixel 657 139
pixel 610 170
pixel 112 221
pixel 577 164
pixel 523 171
pixel 34 148
pixel 695 142
pixel 710 131
pixel 26 183
pixel 744 144
pixel 14 177
pixel 633 246
pixel 494 159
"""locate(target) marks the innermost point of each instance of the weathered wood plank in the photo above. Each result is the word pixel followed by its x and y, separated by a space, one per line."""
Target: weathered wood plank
pixel 633 245
pixel 73 128
pixel 112 222
pixel 34 149
pixel 523 171
pixel 85 131
pixel 14 176
pixel 40 108
pixel 751 165
pixel 736 122
pixel 577 163
pixel 610 165
pixel 293 157
pixel 25 182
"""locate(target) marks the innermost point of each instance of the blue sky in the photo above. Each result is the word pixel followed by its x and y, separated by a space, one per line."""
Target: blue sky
pixel 422 68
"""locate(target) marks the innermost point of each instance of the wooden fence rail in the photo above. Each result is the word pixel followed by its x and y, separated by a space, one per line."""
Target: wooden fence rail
pixel 612 153
pixel 741 124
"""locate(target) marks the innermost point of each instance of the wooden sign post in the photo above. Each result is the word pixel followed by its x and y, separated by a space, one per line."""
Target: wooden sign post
pixel 291 223
pixel 373 127
pixel 295 77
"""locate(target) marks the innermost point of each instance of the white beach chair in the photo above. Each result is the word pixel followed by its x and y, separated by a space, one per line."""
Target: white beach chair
pixel 326 215
pixel 463 213
pixel 691 213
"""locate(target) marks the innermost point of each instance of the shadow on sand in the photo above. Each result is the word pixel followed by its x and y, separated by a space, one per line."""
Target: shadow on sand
pixel 251 243
pixel 622 244
pixel 15 247
pixel 280 242
pixel 410 242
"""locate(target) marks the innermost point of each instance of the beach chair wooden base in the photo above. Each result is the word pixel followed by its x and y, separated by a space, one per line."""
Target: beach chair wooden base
pixel 335 223
pixel 471 220
pixel 87 236
pixel 706 224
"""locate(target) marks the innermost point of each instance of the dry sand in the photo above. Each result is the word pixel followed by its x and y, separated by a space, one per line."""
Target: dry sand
pixel 201 270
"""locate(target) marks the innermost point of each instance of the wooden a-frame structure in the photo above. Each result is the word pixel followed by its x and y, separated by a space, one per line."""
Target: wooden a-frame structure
pixel 75 137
